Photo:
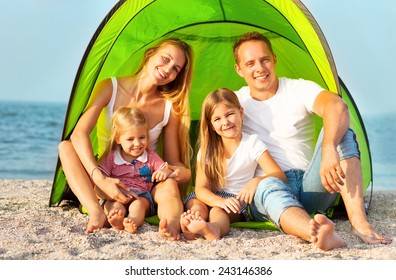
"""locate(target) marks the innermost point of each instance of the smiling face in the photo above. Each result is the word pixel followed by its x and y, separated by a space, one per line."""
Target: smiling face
pixel 164 66
pixel 256 64
pixel 133 142
pixel 227 121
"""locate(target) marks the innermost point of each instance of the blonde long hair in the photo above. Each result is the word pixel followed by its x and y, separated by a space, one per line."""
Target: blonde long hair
pixel 212 156
pixel 177 92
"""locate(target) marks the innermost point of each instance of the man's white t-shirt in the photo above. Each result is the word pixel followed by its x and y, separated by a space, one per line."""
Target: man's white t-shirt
pixel 242 165
pixel 285 122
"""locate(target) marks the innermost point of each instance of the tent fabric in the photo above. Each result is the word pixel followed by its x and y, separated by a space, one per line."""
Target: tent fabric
pixel 211 28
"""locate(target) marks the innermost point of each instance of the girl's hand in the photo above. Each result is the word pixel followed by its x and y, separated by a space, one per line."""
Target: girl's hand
pixel 179 173
pixel 230 205
pixel 160 175
pixel 246 194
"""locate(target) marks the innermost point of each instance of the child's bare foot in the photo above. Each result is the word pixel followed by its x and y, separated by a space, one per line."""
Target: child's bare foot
pixel 129 225
pixel 115 218
pixel 96 222
pixel 369 235
pixel 185 221
pixel 170 230
pixel 323 235
pixel 196 225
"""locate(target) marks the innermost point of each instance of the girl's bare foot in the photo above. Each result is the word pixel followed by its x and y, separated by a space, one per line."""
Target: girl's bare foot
pixel 115 218
pixel 184 222
pixel 196 225
pixel 323 235
pixel 129 225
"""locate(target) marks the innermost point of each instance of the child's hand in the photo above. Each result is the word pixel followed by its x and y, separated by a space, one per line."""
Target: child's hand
pixel 230 205
pixel 160 175
pixel 246 194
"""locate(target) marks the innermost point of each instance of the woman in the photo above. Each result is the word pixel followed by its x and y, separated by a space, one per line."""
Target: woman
pixel 163 79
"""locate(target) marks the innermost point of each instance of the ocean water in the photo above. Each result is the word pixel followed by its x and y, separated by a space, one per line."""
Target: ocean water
pixel 30 133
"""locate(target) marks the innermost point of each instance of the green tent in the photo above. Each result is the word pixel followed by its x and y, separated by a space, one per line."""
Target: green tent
pixel 210 27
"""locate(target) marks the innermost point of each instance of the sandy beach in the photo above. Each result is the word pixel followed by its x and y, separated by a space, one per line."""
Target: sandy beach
pixel 30 230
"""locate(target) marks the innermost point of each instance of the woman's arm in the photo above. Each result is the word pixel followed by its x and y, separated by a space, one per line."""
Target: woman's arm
pixel 83 146
pixel 172 150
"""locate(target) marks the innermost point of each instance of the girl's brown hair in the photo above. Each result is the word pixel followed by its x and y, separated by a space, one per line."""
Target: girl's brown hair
pixel 212 160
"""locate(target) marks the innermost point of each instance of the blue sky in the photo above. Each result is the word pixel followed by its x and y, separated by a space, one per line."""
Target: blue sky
pixel 46 40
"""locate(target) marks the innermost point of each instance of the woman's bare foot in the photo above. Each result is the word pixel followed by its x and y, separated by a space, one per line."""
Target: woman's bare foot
pixel 130 225
pixel 170 230
pixel 369 235
pixel 116 218
pixel 95 222
pixel 323 235
pixel 185 221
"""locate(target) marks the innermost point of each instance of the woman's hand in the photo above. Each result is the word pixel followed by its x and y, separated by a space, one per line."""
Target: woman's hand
pixel 114 189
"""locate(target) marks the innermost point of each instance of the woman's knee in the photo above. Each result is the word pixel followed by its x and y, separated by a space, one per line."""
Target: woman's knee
pixel 65 147
pixel 167 188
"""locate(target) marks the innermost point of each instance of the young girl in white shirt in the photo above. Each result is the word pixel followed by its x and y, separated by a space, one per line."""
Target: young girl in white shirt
pixel 226 163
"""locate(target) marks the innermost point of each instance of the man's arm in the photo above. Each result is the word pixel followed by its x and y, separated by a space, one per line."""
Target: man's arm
pixel 335 115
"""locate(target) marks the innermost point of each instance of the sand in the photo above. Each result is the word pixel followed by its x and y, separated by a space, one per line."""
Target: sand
pixel 31 230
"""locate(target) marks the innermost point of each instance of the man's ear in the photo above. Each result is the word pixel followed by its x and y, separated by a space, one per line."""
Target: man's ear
pixel 238 69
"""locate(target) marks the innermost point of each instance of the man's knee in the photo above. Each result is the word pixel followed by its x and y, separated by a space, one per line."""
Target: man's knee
pixel 348 147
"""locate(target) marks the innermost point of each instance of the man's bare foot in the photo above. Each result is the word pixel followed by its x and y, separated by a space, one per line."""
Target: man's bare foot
pixel 96 222
pixel 115 218
pixel 323 235
pixel 170 230
pixel 369 235
pixel 185 221
pixel 130 225
pixel 196 225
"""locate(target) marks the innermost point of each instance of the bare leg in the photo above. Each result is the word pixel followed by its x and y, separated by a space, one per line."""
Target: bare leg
pixel 137 212
pixel 166 195
pixel 320 231
pixel 195 207
pixel 352 195
pixel 81 185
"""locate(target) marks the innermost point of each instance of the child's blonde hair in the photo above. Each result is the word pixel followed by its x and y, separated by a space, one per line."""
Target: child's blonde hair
pixel 212 160
pixel 124 119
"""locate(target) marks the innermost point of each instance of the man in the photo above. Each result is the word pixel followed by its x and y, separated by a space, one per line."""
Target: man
pixel 280 111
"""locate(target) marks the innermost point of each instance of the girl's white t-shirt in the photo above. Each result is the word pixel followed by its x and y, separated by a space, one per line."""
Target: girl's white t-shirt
pixel 242 165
